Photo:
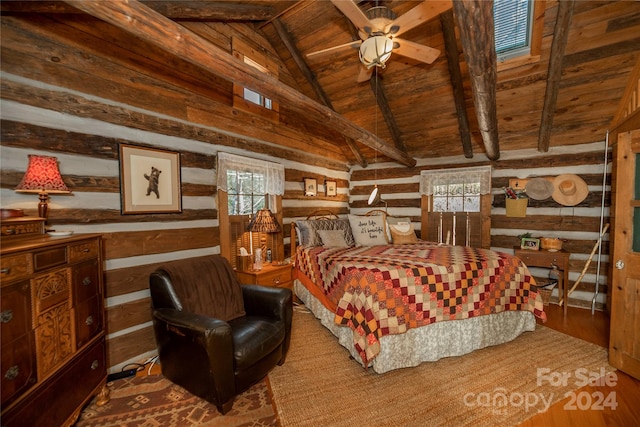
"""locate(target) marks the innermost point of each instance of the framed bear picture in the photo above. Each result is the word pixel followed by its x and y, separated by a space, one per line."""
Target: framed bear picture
pixel 149 180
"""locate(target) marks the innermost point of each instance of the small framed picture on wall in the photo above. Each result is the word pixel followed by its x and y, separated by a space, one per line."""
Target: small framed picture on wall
pixel 331 188
pixel 310 187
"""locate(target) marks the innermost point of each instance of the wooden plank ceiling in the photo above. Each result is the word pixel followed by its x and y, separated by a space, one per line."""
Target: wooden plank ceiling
pixel 463 103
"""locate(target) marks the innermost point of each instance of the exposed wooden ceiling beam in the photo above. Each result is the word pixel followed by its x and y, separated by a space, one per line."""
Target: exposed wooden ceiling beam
pixel 383 104
pixel 143 22
pixel 477 38
pixel 211 10
pixel 554 73
pixel 455 74
pixel 176 9
pixel 311 79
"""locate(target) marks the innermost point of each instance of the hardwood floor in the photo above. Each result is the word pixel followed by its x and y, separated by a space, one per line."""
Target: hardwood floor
pixel 594 328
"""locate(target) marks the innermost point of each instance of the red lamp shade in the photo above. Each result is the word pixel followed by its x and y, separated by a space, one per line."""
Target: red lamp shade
pixel 42 177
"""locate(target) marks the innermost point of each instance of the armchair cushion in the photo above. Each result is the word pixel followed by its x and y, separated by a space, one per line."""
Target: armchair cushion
pixel 204 271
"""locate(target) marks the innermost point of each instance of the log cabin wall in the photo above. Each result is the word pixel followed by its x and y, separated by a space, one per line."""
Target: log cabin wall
pixel 578 225
pixel 63 96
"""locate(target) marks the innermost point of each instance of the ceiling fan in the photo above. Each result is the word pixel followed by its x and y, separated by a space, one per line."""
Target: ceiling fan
pixel 379 29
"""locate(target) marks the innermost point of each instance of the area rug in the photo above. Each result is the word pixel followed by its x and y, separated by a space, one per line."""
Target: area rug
pixel 498 386
pixel 154 401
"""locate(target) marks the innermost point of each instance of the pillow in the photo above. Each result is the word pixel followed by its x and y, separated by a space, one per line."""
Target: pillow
pixel 307 231
pixel 403 233
pixel 332 238
pixel 393 220
pixel 368 230
pixel 306 234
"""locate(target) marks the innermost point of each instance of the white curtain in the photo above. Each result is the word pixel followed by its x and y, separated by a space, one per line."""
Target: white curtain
pixel 432 178
pixel 273 172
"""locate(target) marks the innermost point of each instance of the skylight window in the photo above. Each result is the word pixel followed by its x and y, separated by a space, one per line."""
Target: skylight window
pixel 513 23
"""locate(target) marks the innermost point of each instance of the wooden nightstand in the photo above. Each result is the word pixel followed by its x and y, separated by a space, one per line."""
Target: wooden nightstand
pixel 270 275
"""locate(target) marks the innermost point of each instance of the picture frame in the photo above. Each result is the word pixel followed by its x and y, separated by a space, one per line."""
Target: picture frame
pixel 331 188
pixel 530 244
pixel 149 180
pixel 310 187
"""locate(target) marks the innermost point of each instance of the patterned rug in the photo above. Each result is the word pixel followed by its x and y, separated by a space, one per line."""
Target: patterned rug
pixel 153 401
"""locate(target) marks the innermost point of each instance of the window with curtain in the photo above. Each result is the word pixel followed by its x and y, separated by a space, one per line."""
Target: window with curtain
pixel 456 206
pixel 246 185
pixel 513 22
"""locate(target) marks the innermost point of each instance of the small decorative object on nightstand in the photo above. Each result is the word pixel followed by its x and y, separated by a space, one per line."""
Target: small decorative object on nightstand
pixel 271 275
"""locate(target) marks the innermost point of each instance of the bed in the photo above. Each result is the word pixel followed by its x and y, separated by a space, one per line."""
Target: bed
pixel 394 301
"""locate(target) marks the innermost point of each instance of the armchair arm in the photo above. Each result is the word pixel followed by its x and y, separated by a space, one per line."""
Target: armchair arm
pixel 276 303
pixel 267 301
pixel 194 350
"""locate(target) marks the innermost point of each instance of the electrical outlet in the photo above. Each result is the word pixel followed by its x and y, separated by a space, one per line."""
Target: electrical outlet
pixel 518 184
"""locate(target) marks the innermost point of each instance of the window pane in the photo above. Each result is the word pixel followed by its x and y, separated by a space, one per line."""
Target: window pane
pixel 439 204
pixel 252 96
pixel 512 24
pixel 456 204
pixel 472 204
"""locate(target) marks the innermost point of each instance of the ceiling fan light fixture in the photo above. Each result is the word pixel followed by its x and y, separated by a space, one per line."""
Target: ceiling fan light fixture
pixel 375 51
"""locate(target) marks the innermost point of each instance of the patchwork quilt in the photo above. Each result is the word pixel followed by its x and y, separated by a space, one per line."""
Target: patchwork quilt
pixel 388 289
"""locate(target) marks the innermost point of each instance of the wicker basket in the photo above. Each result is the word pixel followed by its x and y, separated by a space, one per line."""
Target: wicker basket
pixel 516 207
pixel 552 244
pixel 545 293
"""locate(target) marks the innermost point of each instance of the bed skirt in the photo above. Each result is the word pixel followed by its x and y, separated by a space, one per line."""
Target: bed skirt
pixel 428 343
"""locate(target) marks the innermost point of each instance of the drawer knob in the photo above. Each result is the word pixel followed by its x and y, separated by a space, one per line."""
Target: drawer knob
pixel 85 250
pixel 86 281
pixel 5 271
pixel 94 365
pixel 12 373
pixel 89 321
pixel 6 316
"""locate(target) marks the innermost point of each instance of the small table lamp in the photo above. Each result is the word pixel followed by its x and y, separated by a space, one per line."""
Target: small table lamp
pixel 264 221
pixel 42 177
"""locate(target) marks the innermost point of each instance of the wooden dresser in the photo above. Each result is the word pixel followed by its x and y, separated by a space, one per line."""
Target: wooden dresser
pixel 53 328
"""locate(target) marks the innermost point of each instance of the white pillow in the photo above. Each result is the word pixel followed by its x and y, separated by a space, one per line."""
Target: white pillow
pixel 368 230
pixel 332 238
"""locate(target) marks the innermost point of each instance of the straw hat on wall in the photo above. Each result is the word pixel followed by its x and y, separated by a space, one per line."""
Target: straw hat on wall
pixel 539 188
pixel 569 189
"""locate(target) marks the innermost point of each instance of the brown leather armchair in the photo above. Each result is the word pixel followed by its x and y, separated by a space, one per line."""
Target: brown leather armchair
pixel 216 337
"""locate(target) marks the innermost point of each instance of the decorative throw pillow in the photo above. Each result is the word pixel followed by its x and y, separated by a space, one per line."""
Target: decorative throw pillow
pixel 393 220
pixel 403 233
pixel 368 230
pixel 332 238
pixel 338 224
pixel 306 234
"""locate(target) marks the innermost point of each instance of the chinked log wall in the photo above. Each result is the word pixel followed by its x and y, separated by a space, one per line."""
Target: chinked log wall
pixel 579 225
pixel 135 245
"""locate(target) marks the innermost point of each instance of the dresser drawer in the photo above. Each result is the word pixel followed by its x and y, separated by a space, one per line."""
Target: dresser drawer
pixel 55 341
pixel 15 316
pixel 59 397
pixel 50 258
pixel 86 282
pixel 18 368
pixel 15 267
pixel 85 250
pixel 88 320
pixel 50 289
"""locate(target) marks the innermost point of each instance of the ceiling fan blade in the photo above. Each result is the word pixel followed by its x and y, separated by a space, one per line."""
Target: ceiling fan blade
pixel 365 74
pixel 416 51
pixel 354 44
pixel 423 12
pixel 353 13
